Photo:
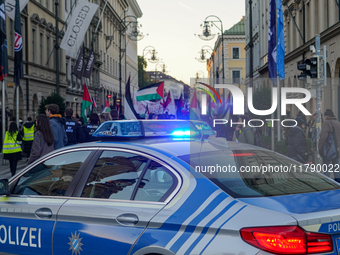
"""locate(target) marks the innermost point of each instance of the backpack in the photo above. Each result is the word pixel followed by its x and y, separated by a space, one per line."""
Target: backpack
pixel 257 140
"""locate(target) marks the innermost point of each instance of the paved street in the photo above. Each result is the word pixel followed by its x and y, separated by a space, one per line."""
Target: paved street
pixel 5 172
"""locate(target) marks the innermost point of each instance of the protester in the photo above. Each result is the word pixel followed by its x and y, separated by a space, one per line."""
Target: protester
pixel 57 124
pixel 105 116
pixel 114 114
pixel 296 142
pixel 244 133
pixel 330 126
pixel 28 136
pixel 43 138
pixel 91 127
pixel 12 147
pixel 73 130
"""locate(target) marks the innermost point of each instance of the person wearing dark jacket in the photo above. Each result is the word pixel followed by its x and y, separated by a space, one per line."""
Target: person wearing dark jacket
pixel 43 139
pixel 57 125
pixel 12 147
pixel 296 142
pixel 91 127
pixel 73 130
pixel 327 127
pixel 28 136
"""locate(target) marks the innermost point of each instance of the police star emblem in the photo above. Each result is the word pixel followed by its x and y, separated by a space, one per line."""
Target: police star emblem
pixel 75 243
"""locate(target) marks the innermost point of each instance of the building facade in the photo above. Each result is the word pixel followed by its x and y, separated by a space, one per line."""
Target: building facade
pixel 234 57
pixel 320 17
pixel 110 44
pixel 39 37
pixel 115 53
pixel 260 26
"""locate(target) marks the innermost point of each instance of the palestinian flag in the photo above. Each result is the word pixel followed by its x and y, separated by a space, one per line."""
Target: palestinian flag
pixel 106 107
pixel 94 102
pixel 151 92
pixel 87 102
pixel 194 109
pixel 129 110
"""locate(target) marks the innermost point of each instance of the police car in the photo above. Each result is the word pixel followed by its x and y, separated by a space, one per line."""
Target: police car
pixel 167 187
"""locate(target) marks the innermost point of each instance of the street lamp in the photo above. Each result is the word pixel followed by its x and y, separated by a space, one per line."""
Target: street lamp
pixel 149 50
pixel 208 36
pixel 135 33
pixel 162 67
pixel 205 49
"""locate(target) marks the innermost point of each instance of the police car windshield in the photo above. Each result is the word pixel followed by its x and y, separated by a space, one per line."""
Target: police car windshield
pixel 257 173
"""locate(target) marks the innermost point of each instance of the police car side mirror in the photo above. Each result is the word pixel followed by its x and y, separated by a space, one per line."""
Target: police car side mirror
pixel 4 188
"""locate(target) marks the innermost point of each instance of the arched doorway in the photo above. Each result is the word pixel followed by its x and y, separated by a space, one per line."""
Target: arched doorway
pixel 335 84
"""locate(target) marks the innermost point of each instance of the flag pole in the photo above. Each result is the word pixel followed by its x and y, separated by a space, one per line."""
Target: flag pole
pixel 3 112
pixel 17 115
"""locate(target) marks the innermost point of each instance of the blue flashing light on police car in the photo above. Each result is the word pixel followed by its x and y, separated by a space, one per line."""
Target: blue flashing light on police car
pixel 153 192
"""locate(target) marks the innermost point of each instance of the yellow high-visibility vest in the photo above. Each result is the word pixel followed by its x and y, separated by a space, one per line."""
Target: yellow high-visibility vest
pixel 28 133
pixel 10 144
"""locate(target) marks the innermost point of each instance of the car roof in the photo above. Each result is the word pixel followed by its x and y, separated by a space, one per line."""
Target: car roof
pixel 174 146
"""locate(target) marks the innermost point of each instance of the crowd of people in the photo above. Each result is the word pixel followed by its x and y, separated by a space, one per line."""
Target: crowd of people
pixel 48 132
pixel 53 131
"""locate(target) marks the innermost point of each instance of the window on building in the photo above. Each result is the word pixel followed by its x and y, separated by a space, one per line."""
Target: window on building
pixel 48 50
pixel 236 53
pixel 111 66
pixel 41 49
pixel 72 77
pixel 236 77
pixel 104 65
pixel 47 4
pixel 108 63
pixel 55 57
pixel 34 54
pixel 23 44
pixel 67 78
pixel 66 5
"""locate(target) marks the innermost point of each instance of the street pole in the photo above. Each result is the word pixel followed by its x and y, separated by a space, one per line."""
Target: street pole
pixel 120 70
pixel 17 96
pixel 251 45
pixel 324 58
pixel 57 44
pixel 318 99
pixel 4 117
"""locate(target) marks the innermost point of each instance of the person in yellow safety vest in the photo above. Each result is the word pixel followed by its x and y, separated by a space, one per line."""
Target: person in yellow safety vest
pixel 12 147
pixel 28 136
pixel 269 128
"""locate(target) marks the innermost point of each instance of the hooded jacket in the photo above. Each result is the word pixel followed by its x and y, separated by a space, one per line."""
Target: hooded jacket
pixel 297 144
pixel 57 125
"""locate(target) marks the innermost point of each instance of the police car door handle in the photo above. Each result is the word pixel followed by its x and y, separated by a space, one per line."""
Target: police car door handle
pixel 43 213
pixel 127 219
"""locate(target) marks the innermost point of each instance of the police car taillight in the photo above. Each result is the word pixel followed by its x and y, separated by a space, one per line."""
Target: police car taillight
pixel 287 240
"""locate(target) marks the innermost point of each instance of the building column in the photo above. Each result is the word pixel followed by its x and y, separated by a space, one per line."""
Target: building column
pixel 312 19
pixel 322 18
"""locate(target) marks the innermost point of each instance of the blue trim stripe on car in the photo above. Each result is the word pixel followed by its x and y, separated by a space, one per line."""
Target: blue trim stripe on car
pixel 220 228
pixel 189 229
pixel 206 228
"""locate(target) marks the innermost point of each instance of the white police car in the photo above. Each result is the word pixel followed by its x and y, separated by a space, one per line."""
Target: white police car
pixel 168 189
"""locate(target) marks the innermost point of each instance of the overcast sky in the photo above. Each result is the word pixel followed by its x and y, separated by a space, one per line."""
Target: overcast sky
pixel 171 25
